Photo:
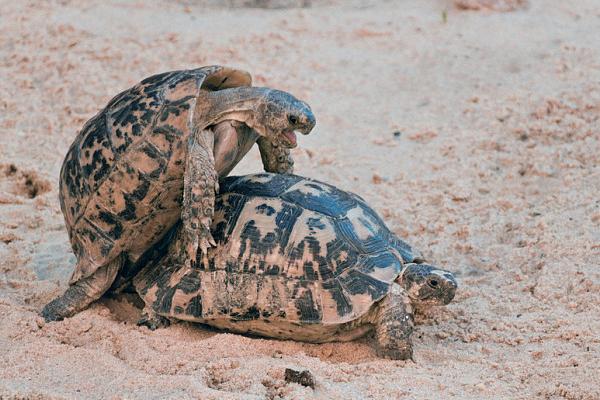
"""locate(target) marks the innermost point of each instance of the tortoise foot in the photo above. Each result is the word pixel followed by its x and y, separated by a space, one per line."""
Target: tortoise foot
pixel 57 310
pixel 395 353
pixel 153 321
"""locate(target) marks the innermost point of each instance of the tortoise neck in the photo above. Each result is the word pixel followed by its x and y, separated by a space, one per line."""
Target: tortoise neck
pixel 238 104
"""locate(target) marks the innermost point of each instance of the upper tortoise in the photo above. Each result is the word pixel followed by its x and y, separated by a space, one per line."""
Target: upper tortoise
pixel 153 155
pixel 295 259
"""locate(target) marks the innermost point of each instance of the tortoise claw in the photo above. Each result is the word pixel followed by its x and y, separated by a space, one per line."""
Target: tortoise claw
pixel 206 243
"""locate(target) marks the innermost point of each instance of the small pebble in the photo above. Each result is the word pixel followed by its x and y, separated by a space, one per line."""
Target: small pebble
pixel 277 354
pixel 536 355
pixel 304 378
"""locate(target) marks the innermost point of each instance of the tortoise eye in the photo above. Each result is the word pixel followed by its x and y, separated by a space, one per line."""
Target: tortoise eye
pixel 433 283
pixel 292 119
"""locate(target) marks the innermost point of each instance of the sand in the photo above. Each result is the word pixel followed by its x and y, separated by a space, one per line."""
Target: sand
pixel 472 127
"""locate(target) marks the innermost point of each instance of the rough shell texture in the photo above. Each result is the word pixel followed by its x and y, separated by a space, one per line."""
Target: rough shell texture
pixel 289 248
pixel 113 181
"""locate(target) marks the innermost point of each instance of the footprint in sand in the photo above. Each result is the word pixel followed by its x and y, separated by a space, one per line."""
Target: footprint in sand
pixel 16 184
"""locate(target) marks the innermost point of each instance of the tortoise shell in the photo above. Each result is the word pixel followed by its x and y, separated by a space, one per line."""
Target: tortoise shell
pixel 114 179
pixel 288 249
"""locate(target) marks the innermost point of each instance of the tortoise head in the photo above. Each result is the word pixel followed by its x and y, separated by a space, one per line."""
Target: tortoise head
pixel 280 116
pixel 427 284
pixel 270 113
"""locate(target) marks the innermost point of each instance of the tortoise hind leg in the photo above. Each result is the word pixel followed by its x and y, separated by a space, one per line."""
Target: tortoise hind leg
pixel 82 293
pixel 394 323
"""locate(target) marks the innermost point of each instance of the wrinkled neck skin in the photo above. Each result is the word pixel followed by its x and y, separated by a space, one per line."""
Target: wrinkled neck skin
pixel 233 140
pixel 240 104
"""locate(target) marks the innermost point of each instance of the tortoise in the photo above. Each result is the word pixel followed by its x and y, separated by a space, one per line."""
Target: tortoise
pixel 153 156
pixel 295 259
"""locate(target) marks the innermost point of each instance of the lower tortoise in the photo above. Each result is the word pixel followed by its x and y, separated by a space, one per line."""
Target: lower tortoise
pixel 295 259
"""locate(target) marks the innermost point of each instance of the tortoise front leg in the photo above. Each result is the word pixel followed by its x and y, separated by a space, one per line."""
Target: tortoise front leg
pixel 394 323
pixel 275 158
pixel 200 184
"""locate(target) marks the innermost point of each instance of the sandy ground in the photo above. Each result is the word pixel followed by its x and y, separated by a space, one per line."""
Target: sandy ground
pixel 493 172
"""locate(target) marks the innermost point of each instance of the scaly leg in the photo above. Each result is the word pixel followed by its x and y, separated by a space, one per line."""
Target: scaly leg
pixel 200 184
pixel 275 158
pixel 83 292
pixel 394 323
pixel 151 320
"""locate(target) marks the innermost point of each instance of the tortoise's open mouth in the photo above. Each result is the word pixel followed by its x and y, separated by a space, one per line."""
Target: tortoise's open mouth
pixel 288 139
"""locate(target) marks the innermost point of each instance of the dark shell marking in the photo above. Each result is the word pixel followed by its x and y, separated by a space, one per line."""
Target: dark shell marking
pixel 289 248
pixel 121 181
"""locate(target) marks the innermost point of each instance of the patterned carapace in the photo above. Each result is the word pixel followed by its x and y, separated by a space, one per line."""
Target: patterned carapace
pixel 287 247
